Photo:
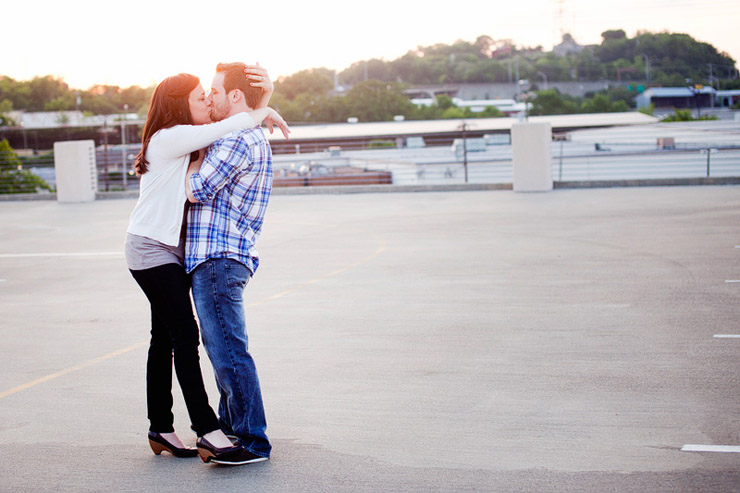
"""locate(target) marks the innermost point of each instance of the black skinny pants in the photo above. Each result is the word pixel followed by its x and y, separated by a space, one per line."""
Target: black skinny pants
pixel 174 332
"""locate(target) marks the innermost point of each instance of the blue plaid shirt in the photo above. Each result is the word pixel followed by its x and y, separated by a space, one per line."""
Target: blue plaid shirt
pixel 232 188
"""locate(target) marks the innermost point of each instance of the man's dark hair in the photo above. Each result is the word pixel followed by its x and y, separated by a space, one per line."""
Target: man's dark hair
pixel 235 78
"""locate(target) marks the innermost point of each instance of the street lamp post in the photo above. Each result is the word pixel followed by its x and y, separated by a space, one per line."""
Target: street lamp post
pixel 464 127
pixel 123 146
pixel 696 90
pixel 25 141
pixel 544 78
pixel 647 69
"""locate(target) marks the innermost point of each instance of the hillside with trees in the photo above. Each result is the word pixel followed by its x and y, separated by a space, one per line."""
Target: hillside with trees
pixel 672 57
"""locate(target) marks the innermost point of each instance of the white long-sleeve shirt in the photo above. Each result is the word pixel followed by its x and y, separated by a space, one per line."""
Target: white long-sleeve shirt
pixel 159 211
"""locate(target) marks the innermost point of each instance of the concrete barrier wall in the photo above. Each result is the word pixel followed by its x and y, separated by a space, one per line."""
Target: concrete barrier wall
pixel 531 145
pixel 76 172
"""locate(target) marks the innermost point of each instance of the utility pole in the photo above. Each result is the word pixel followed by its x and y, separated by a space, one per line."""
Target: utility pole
pixel 544 78
pixel 464 128
pixel 123 146
pixel 647 70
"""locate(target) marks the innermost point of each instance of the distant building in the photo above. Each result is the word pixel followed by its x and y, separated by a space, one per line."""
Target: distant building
pixel 676 97
pixel 33 120
pixel 567 46
pixel 508 107
pixel 725 99
pixel 427 96
pixel 431 92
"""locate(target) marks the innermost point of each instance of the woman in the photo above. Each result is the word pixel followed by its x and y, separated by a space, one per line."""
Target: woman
pixel 177 129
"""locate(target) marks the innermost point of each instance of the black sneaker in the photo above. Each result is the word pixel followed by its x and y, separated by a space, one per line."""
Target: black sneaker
pixel 233 456
pixel 239 458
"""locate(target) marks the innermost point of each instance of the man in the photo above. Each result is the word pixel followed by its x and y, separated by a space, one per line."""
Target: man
pixel 229 195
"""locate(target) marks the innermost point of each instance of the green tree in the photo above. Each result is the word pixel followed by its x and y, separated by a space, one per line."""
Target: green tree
pixel 553 67
pixel 45 89
pixel 287 108
pixel 551 102
pixel 685 115
pixel 375 100
pixel 317 82
pixel 680 54
pixel 614 46
pixel 601 103
pixel 366 70
pixel 13 178
pixel 613 34
pixel 330 109
pixel 490 112
pixel 17 93
pixel 312 108
pixel 485 45
pixel 649 110
pixel 61 103
pixel 453 113
pixel 444 102
pixel 622 94
pixel 96 101
pixel 6 107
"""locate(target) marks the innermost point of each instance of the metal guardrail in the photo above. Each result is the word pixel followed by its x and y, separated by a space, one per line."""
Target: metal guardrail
pixel 19 173
pixel 688 162
pixel 25 172
pixel 572 162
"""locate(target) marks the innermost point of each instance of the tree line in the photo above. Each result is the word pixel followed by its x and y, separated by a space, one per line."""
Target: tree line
pixel 672 58
pixel 376 86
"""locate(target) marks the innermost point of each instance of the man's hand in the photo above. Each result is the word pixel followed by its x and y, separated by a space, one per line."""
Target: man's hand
pixel 193 167
pixel 258 77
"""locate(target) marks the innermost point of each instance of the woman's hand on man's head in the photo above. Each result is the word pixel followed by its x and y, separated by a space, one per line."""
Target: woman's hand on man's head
pixel 259 77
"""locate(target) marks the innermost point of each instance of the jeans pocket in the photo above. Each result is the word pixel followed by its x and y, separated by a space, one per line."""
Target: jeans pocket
pixel 237 277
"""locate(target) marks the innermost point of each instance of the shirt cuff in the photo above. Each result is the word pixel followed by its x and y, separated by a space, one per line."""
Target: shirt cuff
pixel 198 188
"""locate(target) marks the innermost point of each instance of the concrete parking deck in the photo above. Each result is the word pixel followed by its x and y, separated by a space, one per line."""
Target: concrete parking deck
pixel 456 341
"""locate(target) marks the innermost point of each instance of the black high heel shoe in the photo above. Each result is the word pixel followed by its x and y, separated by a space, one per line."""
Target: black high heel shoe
pixel 158 444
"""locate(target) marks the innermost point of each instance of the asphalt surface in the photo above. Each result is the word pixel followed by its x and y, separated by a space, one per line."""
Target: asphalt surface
pixel 454 341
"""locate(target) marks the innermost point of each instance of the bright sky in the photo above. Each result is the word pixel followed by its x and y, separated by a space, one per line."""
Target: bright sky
pixel 140 42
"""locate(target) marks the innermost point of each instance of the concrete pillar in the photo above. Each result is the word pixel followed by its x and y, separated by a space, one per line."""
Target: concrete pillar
pixel 76 172
pixel 531 145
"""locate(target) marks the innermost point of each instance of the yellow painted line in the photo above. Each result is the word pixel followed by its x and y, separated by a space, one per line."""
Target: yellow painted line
pixel 94 361
pixel 71 369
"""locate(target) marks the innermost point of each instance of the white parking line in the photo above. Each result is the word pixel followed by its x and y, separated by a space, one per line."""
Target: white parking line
pixel 60 254
pixel 732 280
pixel 710 448
pixel 727 336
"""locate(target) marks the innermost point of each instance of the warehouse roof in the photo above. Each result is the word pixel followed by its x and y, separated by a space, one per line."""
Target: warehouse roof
pixel 417 127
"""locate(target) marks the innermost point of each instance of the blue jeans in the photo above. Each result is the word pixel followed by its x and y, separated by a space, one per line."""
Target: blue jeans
pixel 218 289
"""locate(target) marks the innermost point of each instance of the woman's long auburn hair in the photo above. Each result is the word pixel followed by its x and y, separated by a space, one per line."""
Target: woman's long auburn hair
pixel 169 107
